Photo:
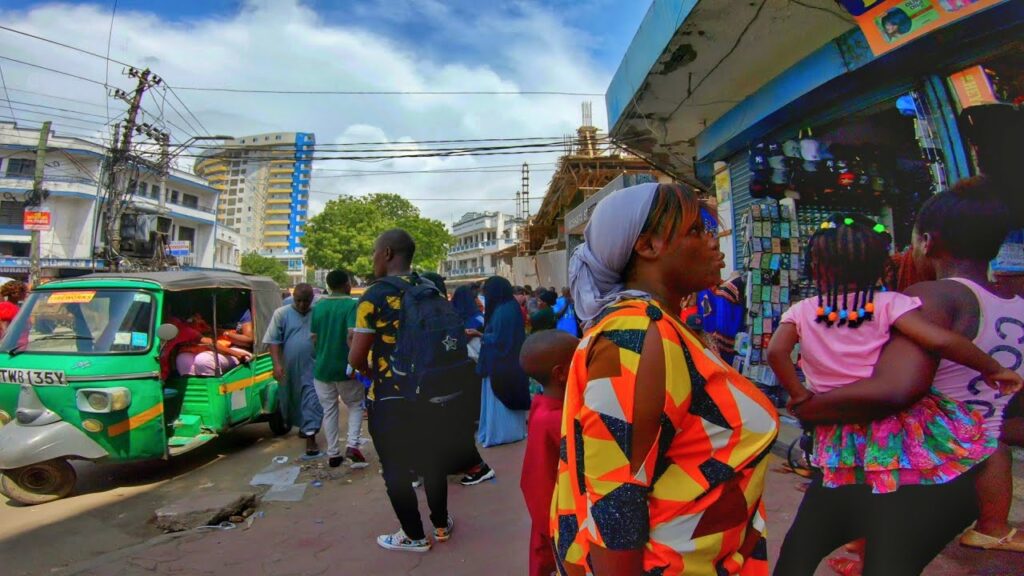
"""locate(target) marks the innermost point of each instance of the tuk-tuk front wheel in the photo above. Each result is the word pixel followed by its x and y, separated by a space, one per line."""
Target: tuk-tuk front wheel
pixel 38 483
pixel 277 424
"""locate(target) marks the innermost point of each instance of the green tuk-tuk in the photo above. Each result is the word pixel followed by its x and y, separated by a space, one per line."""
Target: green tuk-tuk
pixel 88 371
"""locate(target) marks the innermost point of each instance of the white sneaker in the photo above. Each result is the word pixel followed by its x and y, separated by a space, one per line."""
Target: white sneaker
pixel 399 541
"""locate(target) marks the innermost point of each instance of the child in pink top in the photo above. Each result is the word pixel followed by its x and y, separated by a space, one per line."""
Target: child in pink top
pixel 841 334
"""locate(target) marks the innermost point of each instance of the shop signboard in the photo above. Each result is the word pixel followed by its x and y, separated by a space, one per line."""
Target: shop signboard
pixel 893 23
pixel 38 219
pixel 973 87
pixel 179 248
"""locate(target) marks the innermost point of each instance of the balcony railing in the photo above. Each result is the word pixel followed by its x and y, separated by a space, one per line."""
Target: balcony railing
pixel 467 272
pixel 500 243
pixel 67 179
pixel 89 181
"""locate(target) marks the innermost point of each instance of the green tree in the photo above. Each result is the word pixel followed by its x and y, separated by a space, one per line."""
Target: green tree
pixel 253 263
pixel 342 235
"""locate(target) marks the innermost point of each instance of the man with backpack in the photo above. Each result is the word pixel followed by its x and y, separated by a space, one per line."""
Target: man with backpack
pixel 412 344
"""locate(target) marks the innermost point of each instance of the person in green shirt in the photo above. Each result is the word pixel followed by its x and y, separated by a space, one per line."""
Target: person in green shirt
pixel 544 317
pixel 333 319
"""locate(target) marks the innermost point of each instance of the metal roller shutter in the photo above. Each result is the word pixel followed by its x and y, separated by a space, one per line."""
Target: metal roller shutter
pixel 739 175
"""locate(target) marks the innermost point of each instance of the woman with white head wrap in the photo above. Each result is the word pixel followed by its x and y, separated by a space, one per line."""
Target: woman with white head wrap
pixel 657 430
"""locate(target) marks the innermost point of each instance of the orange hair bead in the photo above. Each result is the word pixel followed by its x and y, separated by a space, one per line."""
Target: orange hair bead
pixel 853 316
pixel 821 311
pixel 833 317
pixel 869 307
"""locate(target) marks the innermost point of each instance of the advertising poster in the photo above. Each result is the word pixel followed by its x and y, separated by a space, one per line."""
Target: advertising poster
pixel 37 220
pixel 893 23
pixel 973 87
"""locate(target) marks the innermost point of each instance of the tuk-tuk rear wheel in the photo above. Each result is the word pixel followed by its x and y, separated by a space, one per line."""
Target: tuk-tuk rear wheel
pixel 277 424
pixel 39 483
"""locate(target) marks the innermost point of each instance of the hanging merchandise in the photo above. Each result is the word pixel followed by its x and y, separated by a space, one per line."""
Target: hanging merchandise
pixel 774 263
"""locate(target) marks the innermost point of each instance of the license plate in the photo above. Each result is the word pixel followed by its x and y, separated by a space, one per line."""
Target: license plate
pixel 34 377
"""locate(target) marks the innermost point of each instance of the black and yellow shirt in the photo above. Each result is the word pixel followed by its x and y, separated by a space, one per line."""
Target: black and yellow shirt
pixel 378 313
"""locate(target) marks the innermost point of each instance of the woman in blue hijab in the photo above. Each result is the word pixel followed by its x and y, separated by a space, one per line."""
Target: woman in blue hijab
pixel 465 303
pixel 505 394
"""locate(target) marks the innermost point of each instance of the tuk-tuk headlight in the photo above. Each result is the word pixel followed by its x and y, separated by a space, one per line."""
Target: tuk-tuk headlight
pixel 4 418
pixel 103 400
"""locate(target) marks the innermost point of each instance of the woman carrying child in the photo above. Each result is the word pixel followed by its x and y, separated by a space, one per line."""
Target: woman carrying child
pixel 898 454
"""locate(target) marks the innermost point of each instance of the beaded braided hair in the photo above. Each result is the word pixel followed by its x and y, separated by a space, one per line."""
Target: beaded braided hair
pixel 845 259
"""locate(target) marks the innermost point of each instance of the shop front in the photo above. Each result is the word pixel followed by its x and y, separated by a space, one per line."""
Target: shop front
pixel 859 127
pixel 880 154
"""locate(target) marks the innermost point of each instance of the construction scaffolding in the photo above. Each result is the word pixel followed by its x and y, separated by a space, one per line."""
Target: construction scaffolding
pixel 591 162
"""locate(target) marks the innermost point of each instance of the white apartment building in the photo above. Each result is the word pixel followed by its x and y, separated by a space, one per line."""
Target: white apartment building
pixel 485 243
pixel 227 251
pixel 71 173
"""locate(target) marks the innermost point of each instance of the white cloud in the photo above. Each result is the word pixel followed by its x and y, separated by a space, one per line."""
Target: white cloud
pixel 284 44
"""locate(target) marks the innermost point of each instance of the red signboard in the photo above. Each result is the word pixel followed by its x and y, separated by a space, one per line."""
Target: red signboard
pixel 37 220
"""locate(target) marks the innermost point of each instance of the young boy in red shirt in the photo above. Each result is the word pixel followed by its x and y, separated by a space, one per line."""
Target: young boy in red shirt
pixel 545 357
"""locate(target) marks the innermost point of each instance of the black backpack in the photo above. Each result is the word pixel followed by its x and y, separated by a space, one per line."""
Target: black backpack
pixel 430 361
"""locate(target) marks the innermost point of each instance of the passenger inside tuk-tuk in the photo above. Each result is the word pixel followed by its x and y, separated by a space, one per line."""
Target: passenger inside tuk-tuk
pixel 199 349
pixel 240 335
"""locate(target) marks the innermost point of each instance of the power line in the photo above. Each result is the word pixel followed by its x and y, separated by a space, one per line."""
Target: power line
pixel 463 199
pixel 338 92
pixel 518 168
pixel 20 103
pixel 390 92
pixel 60 129
pixel 52 115
pixel 22 90
pixel 63 45
pixel 106 64
pixel 404 156
pixel 397 172
pixel 559 145
pixel 54 70
pixel 187 109
pixel 3 81
pixel 735 45
pixel 107 58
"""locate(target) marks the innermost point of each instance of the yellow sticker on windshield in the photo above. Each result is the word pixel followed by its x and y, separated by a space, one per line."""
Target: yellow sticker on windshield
pixel 82 297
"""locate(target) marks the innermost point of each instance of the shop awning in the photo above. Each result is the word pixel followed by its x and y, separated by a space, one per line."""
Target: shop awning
pixel 692 61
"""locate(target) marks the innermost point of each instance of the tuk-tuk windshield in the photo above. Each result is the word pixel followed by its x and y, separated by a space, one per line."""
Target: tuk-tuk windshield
pixel 82 321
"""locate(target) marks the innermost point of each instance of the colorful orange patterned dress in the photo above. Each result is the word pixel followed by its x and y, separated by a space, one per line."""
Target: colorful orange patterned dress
pixel 694 505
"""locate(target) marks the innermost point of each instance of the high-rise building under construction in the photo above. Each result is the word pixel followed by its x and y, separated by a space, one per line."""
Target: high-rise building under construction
pixel 264 184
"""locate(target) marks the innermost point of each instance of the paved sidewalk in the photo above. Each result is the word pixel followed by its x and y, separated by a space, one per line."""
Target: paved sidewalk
pixel 333 530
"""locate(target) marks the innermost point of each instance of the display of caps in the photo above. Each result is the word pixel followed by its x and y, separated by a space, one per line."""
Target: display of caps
pixel 810 149
pixel 778 162
pixel 759 181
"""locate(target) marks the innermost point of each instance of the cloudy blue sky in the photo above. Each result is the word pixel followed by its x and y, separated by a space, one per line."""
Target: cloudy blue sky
pixel 391 45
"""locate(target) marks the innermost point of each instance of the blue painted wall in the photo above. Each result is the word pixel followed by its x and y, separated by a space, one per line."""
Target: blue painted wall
pixel 663 18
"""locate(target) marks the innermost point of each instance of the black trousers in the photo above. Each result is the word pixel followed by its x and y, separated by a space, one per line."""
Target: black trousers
pixel 459 431
pixel 404 434
pixel 905 530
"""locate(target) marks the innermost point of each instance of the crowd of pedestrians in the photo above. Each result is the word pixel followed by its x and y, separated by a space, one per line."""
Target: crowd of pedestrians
pixel 646 453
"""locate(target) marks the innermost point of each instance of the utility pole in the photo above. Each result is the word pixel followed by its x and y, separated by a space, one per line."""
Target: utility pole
pixel 37 197
pixel 119 170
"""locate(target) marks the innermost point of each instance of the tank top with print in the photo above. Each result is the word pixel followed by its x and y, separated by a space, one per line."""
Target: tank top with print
pixel 1001 335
